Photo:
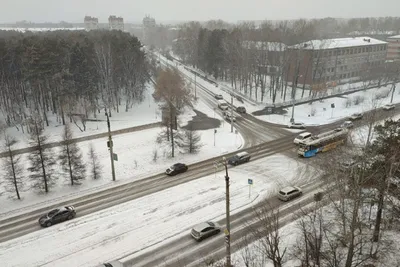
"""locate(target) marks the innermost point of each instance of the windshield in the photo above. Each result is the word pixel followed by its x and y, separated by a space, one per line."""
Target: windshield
pixel 52 213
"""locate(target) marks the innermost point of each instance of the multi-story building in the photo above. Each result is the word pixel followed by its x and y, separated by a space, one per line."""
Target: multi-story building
pixel 115 23
pixel 91 23
pixel 393 49
pixel 149 25
pixel 334 61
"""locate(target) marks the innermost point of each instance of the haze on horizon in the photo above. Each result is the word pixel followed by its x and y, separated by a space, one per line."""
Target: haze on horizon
pixel 185 10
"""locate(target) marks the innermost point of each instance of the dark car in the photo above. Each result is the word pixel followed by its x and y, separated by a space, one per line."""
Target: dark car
pixel 57 215
pixel 204 230
pixel 239 158
pixel 176 168
pixel 241 110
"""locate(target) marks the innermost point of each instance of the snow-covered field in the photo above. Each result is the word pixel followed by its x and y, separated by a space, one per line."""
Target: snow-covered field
pixel 135 155
pixel 135 225
pixel 141 113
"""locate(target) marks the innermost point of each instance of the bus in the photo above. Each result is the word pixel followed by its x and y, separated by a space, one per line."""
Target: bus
pixel 322 142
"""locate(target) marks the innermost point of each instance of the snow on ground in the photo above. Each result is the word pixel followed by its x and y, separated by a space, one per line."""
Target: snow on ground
pixel 41 29
pixel 141 113
pixel 291 238
pixel 104 235
pixel 359 136
pixel 135 160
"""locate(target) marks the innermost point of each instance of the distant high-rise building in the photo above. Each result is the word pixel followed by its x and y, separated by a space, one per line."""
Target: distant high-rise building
pixel 91 23
pixel 149 24
pixel 115 23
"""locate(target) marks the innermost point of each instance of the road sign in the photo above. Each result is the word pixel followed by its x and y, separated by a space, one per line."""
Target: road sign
pixel 250 181
pixel 226 232
pixel 108 143
pixel 115 157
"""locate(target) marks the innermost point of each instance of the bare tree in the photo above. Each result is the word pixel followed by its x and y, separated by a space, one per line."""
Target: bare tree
pixel 191 141
pixel 13 167
pixel 174 95
pixel 95 168
pixel 269 235
pixel 42 159
pixel 71 157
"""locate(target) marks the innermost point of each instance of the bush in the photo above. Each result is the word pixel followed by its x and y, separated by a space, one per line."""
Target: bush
pixel 313 111
pixel 348 103
pixel 358 99
pixel 382 94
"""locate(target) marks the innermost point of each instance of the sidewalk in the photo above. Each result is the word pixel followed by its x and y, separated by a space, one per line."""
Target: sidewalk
pixel 87 138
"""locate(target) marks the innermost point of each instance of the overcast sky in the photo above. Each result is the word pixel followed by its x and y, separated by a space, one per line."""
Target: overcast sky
pixel 182 10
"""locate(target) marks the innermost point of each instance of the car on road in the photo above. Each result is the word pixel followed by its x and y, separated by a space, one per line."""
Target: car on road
pixel 176 169
pixel 229 117
pixel 219 97
pixel 347 125
pixel 57 215
pixel 347 165
pixel 356 116
pixel 112 264
pixel 223 105
pixel 301 137
pixel 289 193
pixel 204 230
pixel 388 107
pixel 296 125
pixel 241 110
pixel 239 158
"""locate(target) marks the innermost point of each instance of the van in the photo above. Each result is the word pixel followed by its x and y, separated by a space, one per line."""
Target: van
pixel 222 105
pixel 289 193
pixel 301 137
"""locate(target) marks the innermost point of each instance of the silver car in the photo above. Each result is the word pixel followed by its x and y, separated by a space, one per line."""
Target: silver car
pixel 289 193
pixel 204 230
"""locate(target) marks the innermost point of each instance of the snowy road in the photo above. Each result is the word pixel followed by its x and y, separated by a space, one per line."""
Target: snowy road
pixel 145 222
pixel 27 223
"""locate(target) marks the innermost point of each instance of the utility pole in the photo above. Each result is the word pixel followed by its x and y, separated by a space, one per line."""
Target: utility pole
pixel 294 87
pixel 110 146
pixel 228 223
pixel 195 86
pixel 231 113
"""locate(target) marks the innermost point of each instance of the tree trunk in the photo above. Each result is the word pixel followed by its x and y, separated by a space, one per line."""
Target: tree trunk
pixel 14 176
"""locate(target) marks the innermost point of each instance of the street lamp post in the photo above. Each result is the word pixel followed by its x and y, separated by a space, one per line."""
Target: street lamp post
pixel 195 86
pixel 228 223
pixel 294 87
pixel 110 145
pixel 231 113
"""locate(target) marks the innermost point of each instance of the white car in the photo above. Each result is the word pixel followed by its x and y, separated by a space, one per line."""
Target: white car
pixel 356 116
pixel 297 125
pixel 301 137
pixel 388 107
pixel 347 124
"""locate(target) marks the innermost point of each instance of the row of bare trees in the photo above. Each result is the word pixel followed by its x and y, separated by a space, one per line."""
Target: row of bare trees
pixel 42 171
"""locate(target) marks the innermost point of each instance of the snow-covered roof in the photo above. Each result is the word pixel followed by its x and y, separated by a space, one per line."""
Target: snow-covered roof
pixel 394 37
pixel 268 46
pixel 338 43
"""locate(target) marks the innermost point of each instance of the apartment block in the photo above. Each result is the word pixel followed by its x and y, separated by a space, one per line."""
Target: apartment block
pixel 91 23
pixel 115 23
pixel 393 49
pixel 334 61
